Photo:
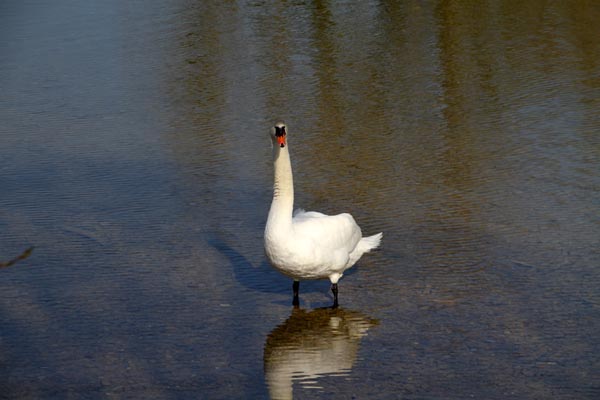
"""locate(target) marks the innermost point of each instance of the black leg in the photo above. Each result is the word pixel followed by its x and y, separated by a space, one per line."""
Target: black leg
pixel 334 289
pixel 296 301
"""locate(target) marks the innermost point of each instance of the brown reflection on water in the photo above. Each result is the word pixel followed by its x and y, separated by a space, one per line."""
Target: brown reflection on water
pixel 312 345
pixel 15 260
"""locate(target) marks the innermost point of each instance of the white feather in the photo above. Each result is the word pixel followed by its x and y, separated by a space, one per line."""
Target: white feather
pixel 309 244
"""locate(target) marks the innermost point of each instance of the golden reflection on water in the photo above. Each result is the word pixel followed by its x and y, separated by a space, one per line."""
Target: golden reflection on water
pixel 310 345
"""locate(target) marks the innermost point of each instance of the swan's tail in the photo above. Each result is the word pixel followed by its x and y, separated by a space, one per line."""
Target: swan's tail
pixel 365 245
pixel 370 242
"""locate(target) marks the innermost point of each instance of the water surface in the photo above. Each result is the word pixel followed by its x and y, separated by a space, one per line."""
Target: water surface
pixel 135 159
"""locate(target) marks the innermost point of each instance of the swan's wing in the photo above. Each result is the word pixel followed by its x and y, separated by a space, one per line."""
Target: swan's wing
pixel 328 233
pixel 300 213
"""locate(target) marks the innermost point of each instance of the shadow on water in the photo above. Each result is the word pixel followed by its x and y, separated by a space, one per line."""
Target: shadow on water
pixel 262 278
pixel 310 345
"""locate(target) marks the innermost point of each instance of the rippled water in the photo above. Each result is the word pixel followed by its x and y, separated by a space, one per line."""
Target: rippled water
pixel 134 158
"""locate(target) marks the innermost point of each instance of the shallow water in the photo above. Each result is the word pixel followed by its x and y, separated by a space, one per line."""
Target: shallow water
pixel 134 157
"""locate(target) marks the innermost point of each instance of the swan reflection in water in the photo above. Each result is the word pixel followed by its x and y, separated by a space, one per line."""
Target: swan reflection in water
pixel 312 344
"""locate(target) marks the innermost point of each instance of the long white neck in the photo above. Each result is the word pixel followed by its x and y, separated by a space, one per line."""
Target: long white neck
pixel 280 214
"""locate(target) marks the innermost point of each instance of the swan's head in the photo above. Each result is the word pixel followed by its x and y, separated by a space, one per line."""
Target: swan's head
pixel 278 134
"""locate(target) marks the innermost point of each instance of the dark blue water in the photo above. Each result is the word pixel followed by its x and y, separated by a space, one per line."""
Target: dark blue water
pixel 135 160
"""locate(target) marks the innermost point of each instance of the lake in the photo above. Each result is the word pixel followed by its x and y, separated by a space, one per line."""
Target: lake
pixel 136 177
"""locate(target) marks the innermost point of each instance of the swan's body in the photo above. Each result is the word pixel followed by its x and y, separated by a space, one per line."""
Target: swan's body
pixel 308 245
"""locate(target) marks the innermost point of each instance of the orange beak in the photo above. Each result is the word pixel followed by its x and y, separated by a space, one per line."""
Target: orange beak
pixel 281 140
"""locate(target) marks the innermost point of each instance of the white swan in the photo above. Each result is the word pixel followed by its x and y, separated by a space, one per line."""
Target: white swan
pixel 308 245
